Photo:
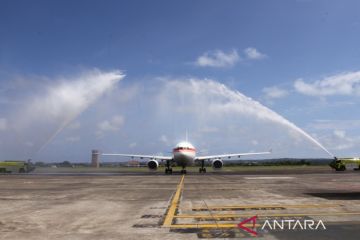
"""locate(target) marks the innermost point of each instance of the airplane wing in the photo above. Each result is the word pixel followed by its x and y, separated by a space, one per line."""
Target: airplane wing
pixel 139 156
pixel 238 155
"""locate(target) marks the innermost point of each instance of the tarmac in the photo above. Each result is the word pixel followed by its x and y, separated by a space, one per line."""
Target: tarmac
pixel 217 205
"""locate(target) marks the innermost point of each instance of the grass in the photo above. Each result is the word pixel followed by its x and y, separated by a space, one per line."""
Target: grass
pixel 176 169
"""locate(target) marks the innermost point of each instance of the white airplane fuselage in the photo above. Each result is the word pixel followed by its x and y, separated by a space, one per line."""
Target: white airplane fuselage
pixel 184 154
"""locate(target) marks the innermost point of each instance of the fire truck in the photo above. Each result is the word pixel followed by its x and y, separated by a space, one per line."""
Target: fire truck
pixel 342 164
pixel 16 167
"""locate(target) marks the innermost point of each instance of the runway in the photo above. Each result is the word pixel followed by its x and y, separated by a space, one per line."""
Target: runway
pixel 227 170
pixel 193 206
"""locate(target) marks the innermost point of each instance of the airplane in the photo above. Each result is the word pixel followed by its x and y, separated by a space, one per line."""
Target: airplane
pixel 184 154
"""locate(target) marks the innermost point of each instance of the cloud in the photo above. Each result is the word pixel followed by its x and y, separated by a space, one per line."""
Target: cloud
pixel 164 139
pixel 339 140
pixel 111 125
pixel 347 83
pixel 254 54
pixel 3 124
pixel 132 145
pixel 275 92
pixel 221 59
pixel 340 133
pixel 218 59
pixel 335 135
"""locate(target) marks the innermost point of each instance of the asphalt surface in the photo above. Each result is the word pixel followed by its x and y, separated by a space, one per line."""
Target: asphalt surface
pixel 136 205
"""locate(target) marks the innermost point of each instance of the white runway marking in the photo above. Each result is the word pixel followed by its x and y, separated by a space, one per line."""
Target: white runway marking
pixel 252 178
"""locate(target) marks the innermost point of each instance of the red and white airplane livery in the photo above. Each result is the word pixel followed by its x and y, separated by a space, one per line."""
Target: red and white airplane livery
pixel 184 154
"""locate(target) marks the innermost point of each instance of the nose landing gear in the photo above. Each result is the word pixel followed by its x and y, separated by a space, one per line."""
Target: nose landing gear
pixel 183 171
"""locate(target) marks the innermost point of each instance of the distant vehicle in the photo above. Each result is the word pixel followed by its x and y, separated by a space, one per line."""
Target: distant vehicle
pixel 16 167
pixel 184 154
pixel 341 164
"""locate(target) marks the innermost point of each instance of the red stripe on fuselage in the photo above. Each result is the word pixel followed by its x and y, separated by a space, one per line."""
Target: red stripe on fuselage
pixel 183 150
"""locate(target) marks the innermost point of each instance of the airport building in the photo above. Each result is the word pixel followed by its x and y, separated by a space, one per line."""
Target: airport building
pixel 95 158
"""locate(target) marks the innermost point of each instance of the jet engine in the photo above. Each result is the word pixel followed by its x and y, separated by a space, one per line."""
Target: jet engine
pixel 217 164
pixel 153 164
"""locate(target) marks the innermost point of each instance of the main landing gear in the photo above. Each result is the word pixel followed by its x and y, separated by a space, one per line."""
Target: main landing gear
pixel 168 169
pixel 202 169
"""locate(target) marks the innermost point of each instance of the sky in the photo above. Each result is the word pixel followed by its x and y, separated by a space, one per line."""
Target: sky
pixel 134 76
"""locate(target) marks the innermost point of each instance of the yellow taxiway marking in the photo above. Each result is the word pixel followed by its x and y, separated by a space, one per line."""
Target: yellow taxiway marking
pixel 266 206
pixel 218 225
pixel 174 204
pixel 208 216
